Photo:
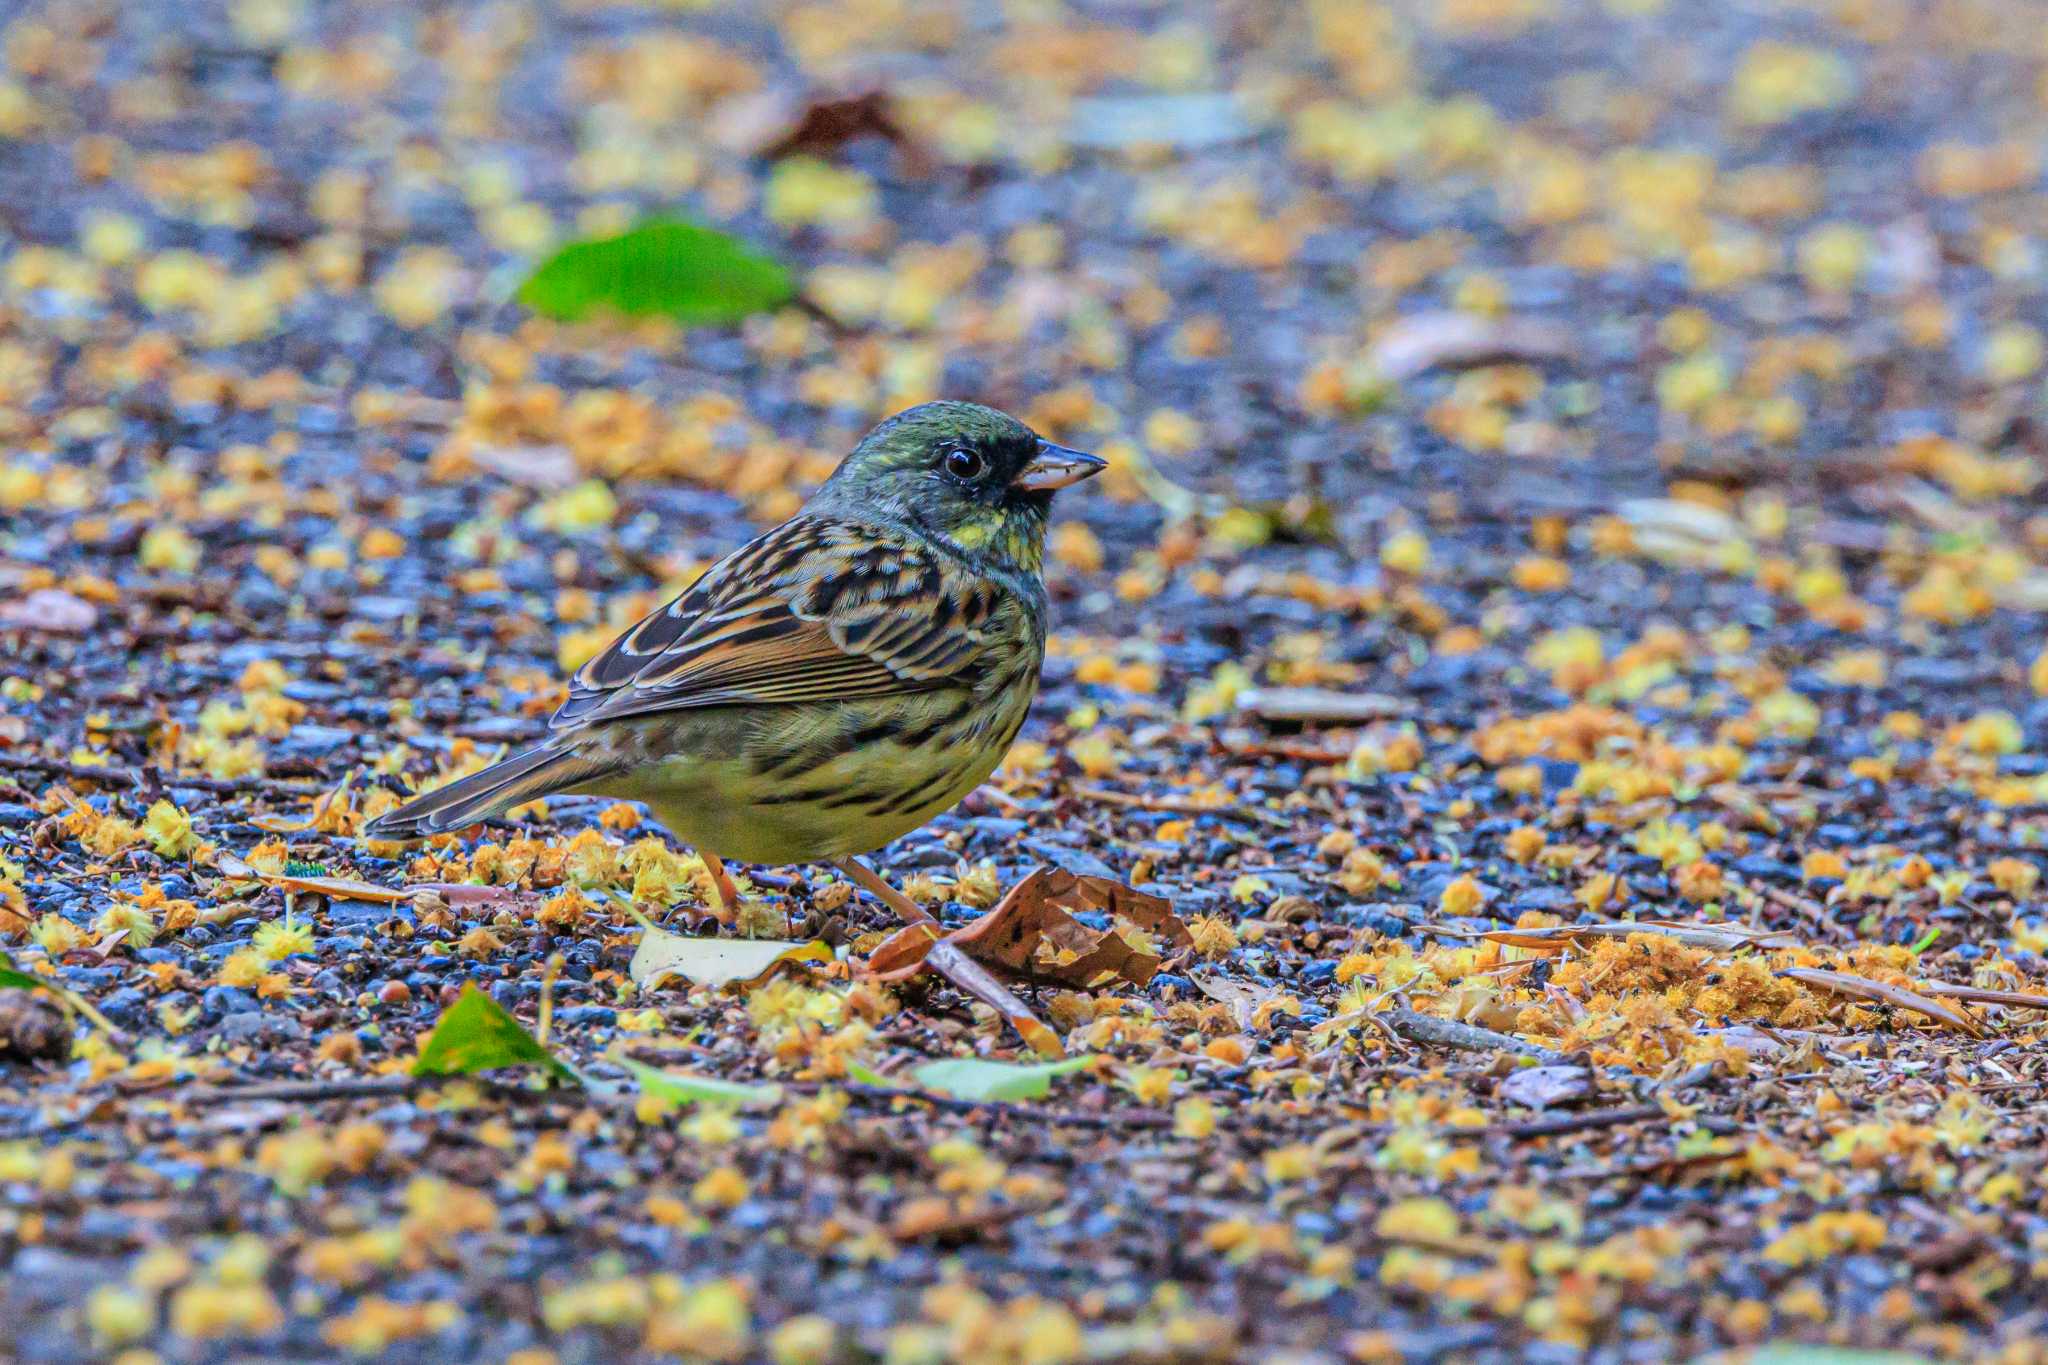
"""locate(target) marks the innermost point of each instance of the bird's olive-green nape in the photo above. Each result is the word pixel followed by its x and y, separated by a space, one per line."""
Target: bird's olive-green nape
pixel 962 472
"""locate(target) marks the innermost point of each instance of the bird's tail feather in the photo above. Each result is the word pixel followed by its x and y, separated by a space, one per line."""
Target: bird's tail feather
pixel 465 801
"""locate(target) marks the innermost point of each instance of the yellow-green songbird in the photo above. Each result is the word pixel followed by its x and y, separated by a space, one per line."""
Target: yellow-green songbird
pixel 832 685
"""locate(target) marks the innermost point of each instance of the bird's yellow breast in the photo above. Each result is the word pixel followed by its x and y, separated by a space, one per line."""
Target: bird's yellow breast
pixel 807 783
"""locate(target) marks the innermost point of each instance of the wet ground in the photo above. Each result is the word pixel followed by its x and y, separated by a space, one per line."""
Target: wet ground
pixel 1573 464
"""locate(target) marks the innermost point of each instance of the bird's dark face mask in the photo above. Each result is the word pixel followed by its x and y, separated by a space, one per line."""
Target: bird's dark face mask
pixel 993 499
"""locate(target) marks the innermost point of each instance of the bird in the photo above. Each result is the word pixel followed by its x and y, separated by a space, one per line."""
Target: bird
pixel 832 684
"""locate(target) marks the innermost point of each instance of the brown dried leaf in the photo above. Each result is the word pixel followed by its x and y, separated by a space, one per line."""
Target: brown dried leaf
pixel 1032 918
pixel 1721 937
pixel 823 126
pixel 1030 932
pixel 299 824
pixel 1978 995
pixel 1243 997
pixel 963 971
pixel 1863 988
pixel 337 888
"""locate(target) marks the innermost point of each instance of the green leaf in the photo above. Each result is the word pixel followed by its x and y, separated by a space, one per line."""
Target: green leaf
pixel 11 975
pixel 475 1034
pixel 664 267
pixel 1926 941
pixel 973 1079
pixel 681 1088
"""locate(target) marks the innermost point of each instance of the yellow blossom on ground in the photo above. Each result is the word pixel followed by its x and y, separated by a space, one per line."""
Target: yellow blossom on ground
pixel 420 286
pixel 168 548
pixel 169 830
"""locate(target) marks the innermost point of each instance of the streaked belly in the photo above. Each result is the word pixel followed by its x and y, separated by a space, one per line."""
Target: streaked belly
pixel 802 784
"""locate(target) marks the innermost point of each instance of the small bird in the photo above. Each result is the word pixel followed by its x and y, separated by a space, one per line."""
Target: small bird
pixel 831 685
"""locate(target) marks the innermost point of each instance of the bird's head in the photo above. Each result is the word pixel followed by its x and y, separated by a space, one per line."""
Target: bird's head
pixel 967 474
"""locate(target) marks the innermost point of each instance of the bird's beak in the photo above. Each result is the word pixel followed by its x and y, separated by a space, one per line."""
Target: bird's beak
pixel 1057 467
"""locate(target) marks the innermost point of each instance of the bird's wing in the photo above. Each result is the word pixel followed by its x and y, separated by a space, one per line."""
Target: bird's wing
pixel 815 610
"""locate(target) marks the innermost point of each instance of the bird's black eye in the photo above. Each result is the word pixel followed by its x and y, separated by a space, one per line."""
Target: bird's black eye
pixel 962 463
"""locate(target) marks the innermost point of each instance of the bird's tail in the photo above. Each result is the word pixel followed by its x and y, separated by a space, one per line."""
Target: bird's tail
pixel 521 778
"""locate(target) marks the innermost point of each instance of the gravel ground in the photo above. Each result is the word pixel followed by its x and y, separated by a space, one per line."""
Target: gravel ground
pixel 1573 465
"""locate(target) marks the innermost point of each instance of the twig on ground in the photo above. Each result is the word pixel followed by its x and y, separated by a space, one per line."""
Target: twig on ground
pixel 1424 1028
pixel 300 1092
pixel 123 777
pixel 1179 805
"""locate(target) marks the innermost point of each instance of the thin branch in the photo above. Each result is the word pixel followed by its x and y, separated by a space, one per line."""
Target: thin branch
pixel 1424 1028
pixel 123 777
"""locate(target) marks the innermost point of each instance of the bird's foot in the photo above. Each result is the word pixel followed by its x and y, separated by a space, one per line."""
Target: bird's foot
pixel 725 897
pixel 866 877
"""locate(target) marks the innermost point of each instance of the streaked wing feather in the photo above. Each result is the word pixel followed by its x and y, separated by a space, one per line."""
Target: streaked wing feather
pixel 812 611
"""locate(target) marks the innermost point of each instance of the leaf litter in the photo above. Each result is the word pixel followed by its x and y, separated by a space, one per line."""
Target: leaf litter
pixel 1531 840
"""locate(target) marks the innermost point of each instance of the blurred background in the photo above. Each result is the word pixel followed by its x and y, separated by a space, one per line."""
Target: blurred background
pixel 1420 301
pixel 1264 246
pixel 1612 428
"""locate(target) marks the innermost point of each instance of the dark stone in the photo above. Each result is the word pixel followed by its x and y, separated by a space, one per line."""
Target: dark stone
pixel 254 1026
pixel 366 913
pixel 224 1000
pixel 1078 861
pixel 1765 869
pixel 128 1006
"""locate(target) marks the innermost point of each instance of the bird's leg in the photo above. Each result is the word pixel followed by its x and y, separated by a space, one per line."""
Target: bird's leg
pixel 865 876
pixel 725 897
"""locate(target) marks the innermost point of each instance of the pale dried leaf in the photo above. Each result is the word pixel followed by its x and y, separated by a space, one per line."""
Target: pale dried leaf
pixel 335 888
pixel 51 610
pixel 714 962
pixel 1421 342
pixel 1863 988
pixel 1539 1087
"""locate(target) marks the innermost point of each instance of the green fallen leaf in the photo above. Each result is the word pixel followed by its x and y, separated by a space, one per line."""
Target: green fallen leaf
pixel 972 1079
pixel 663 267
pixel 680 1088
pixel 475 1034
pixel 714 962
pixel 11 975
